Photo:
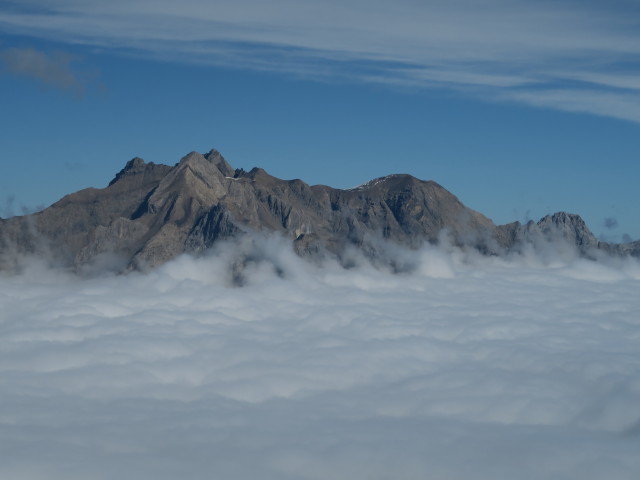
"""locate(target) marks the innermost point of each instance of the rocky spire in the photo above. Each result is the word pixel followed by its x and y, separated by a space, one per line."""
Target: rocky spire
pixel 132 167
pixel 218 160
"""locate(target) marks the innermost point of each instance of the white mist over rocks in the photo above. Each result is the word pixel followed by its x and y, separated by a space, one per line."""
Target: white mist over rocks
pixel 459 367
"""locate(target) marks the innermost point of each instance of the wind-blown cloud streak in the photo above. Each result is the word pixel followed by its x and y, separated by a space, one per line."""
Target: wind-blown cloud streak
pixel 569 55
pixel 468 367
pixel 52 69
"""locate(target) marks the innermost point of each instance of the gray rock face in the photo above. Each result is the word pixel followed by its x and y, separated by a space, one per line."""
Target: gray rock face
pixel 560 227
pixel 149 214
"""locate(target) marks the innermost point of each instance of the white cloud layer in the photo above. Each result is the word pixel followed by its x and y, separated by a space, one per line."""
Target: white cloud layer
pixel 497 50
pixel 465 368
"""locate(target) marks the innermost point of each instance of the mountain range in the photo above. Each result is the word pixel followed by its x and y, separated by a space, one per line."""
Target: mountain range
pixel 150 213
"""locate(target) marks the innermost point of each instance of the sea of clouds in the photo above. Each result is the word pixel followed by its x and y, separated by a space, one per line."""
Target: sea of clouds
pixel 460 367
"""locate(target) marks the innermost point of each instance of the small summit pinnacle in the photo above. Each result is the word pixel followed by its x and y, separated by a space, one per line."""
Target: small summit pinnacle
pixel 134 162
pixel 218 160
pixel 191 157
pixel 133 166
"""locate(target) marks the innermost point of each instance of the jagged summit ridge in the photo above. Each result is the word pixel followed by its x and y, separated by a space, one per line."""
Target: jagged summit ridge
pixel 394 179
pixel 150 213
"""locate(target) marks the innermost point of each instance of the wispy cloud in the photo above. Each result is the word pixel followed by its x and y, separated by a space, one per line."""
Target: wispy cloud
pixel 51 68
pixel 622 105
pixel 530 52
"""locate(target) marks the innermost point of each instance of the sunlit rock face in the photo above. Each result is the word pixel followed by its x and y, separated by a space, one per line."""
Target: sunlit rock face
pixel 149 214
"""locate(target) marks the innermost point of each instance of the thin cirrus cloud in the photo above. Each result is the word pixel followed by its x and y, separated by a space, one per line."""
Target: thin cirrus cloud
pixel 467 367
pixel 515 51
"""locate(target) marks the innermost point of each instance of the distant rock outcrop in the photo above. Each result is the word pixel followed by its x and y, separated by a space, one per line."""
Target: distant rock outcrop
pixel 149 214
pixel 559 228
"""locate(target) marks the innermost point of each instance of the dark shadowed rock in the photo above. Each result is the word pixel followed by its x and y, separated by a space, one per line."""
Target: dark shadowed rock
pixel 149 214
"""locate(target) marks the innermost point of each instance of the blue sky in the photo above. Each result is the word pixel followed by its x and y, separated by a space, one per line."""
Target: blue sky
pixel 519 108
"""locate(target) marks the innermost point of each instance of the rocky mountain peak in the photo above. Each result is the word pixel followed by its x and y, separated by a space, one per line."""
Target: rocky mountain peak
pixel 218 160
pixel 383 181
pixel 569 227
pixel 192 157
pixel 132 167
pixel 134 163
pixel 150 213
